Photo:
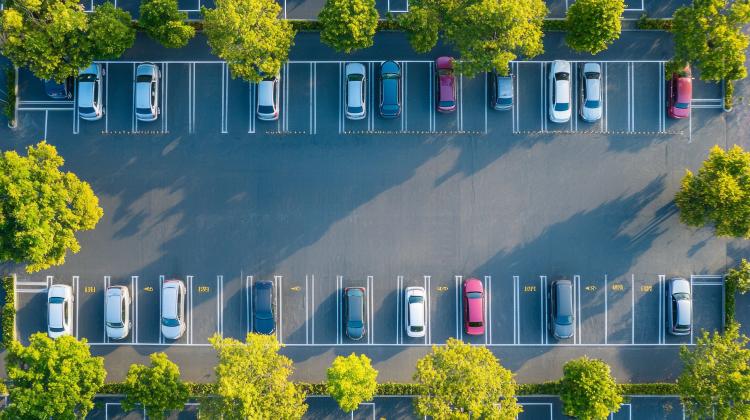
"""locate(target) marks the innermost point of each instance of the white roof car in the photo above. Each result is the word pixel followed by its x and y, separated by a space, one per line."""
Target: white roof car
pixel 117 312
pixel 268 99
pixel 679 306
pixel 172 309
pixel 59 310
pixel 355 91
pixel 559 91
pixel 90 92
pixel 590 97
pixel 414 298
pixel 147 77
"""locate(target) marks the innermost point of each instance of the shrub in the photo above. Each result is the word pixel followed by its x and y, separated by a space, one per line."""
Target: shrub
pixel 9 311
pixel 654 24
pixel 9 108
pixel 728 94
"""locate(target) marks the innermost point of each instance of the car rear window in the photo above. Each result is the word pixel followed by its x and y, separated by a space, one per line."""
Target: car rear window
pixel 415 299
pixel 561 106
pixel 355 109
pixel 169 322
pixel 416 328
pixel 86 110
pixel 565 320
pixel 475 324
pixel 143 79
pixel 505 101
pixel 87 78
pixel 474 295
pixel 265 109
pixel 446 104
pixel 592 104
pixel 682 105
pixel 562 76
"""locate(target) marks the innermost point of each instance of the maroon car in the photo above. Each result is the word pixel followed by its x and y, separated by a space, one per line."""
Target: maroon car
pixel 680 93
pixel 473 307
pixel 445 83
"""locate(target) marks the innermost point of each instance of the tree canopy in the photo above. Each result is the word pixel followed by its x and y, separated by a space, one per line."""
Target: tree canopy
pixel 165 23
pixel 42 208
pixel 252 381
pixel 348 25
pixel 352 380
pixel 110 32
pixel 249 35
pixel 740 277
pixel 460 381
pixel 709 34
pixel 719 194
pixel 51 378
pixel 488 34
pixel 588 390
pixel 593 25
pixel 157 388
pixel 715 378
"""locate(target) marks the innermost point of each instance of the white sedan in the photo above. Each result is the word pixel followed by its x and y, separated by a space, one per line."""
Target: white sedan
pixel 355 91
pixel 559 91
pixel 59 310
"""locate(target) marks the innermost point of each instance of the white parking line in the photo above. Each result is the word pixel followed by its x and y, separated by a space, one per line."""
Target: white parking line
pixel 577 304
pixel 603 121
pixel 190 309
pixel 224 97
pixel 219 304
pixel 133 120
pixel 75 287
pixel 515 310
pixel 371 98
pixel 192 99
pixel 76 123
pixel 341 98
pixel 279 284
pixel 161 285
pixel 46 115
pixel 486 104
pixel 460 307
pixel 661 319
pixel 106 101
pixel 371 301
pixel 660 105
pixel 164 106
pixel 630 412
pixel 460 113
pixel 191 69
pixel 106 281
pixel 311 130
pixel 312 300
pixel 134 305
pixel 487 302
pixel 399 315
pixel 540 404
pixel 606 309
pixel 404 92
pixel 574 103
pixel 249 302
pixel 427 287
pixel 632 309
pixel 251 87
pixel 631 96
pixel 339 281
pixel 544 319
pixel 431 105
pixel 543 92
pixel 366 404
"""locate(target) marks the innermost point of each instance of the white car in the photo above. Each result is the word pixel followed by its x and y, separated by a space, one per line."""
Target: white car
pixel 59 310
pixel 559 91
pixel 268 99
pixel 117 312
pixel 90 92
pixel 590 97
pixel 173 309
pixel 355 91
pixel 147 77
pixel 414 298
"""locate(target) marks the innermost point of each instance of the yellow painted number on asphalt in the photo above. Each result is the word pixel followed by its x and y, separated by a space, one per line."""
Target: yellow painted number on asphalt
pixel 590 288
pixel 89 289
pixel 647 288
pixel 296 289
pixel 203 289
pixel 442 288
pixel 618 287
pixel 148 289
pixel 529 288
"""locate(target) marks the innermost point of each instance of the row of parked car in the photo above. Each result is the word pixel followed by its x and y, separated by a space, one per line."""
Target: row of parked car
pixel 173 323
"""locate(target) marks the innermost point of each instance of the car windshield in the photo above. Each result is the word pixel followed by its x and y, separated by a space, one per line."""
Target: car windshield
pixel 114 324
pixel 592 104
pixel 505 101
pixel 390 76
pixel 265 109
pixel 592 75
pixel 682 105
pixel 87 77
pixel 355 324
pixel 416 329
pixel 562 106
pixel 356 77
pixel 565 320
pixel 86 110
pixel 143 111
pixel 561 75
pixel 446 104
pixel 682 327
pixel 475 324
pixel 415 299
pixel 169 322
pixel 143 79
pixel 681 296
pixel 445 72
pixel 355 109
pixel 474 295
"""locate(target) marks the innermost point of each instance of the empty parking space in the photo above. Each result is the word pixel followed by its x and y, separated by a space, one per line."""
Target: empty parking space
pixel 646 311
pixel 177 104
pixel 618 101
pixel 502 294
pixel 418 105
pixel 531 304
pixel 647 106
pixel 619 316
pixel 119 110
pixel 708 292
pixel 203 310
pixel 529 107
pixel 91 303
pixel 590 293
pixel 473 107
pixel 443 308
pixel 31 306
pixel 208 91
pixel 301 85
pixel 295 314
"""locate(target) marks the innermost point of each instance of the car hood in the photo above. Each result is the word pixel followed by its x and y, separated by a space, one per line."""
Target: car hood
pixel 564 331
pixel 53 334
pixel 117 333
pixel 355 333
pixel 264 326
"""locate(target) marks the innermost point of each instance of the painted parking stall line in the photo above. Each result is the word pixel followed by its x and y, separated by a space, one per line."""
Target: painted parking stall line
pixel 339 321
pixel 459 307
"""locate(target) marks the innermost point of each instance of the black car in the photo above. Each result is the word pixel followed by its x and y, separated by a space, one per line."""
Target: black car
pixel 354 312
pixel 390 89
pixel 264 308
pixel 57 90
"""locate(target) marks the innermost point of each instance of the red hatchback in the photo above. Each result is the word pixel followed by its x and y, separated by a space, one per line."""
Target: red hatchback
pixel 680 93
pixel 445 84
pixel 473 307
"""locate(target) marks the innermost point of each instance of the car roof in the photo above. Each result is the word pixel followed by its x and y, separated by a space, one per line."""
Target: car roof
pixel 562 91
pixel 593 88
pixel 355 307
pixel 263 297
pixel 86 94
pixel 390 67
pixel 169 302
pixel 684 89
pixel 143 95
pixel 56 315
pixel 113 307
pixel 354 93
pixel 504 86
pixel 683 312
pixel 416 313
pixel 564 295
pixel 355 68
pixel 390 92
pixel 265 93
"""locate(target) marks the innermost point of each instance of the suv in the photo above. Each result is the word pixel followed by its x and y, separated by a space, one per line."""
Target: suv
pixel 173 309
pixel 473 307
pixel 415 313
pixel 268 99
pixel 147 77
pixel 501 91
pixel 263 308
pixel 59 310
pixel 354 312
pixel 117 312
pixel 561 318
pixel 559 91
pixel 679 306
pixel 390 89
pixel 90 92
pixel 590 97
pixel 355 91
pixel 680 93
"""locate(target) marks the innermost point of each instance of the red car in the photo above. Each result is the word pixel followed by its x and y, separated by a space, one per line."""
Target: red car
pixel 473 307
pixel 445 83
pixel 680 93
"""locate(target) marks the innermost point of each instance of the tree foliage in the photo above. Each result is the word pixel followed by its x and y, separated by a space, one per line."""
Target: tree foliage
pixel 460 381
pixel 252 381
pixel 157 388
pixel 348 25
pixel 249 35
pixel 165 23
pixel 51 378
pixel 42 208
pixel 593 25
pixel 715 377
pixel 709 34
pixel 488 34
pixel 352 380
pixel 740 277
pixel 588 391
pixel 719 194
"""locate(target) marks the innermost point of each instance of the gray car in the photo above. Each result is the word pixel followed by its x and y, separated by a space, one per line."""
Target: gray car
pixel 561 318
pixel 147 77
pixel 679 306
pixel 501 91
pixel 90 92
pixel 264 308
pixel 354 312
pixel 590 96
pixel 355 91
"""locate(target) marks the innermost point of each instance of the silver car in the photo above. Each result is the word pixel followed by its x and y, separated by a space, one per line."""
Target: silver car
pixel 355 91
pixel 590 97
pixel 559 91
pixel 117 312
pixel 679 306
pixel 90 92
pixel 173 309
pixel 59 310
pixel 147 77
pixel 268 99
pixel 501 91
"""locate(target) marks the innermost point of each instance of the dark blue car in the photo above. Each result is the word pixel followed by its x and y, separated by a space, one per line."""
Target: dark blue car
pixel 264 312
pixel 390 89
pixel 354 312
pixel 57 90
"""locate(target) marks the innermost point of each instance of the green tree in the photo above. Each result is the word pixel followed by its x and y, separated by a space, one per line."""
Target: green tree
pixel 110 32
pixel 252 381
pixel 588 390
pixel 460 381
pixel 593 25
pixel 709 34
pixel 740 277
pixel 42 208
pixel 157 388
pixel 348 25
pixel 352 380
pixel 487 33
pixel 719 194
pixel 249 35
pixel 162 21
pixel 51 378
pixel 715 377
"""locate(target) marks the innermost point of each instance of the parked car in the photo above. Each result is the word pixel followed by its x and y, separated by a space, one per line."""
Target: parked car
pixel 679 306
pixel 445 84
pixel 90 92
pixel 355 91
pixel 680 93
pixel 354 312
pixel 147 77
pixel 473 306
pixel 501 91
pixel 390 89
pixel 173 309
pixel 57 90
pixel 59 310
pixel 415 311
pixel 268 98
pixel 117 312
pixel 590 97
pixel 264 308
pixel 559 91
pixel 561 314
